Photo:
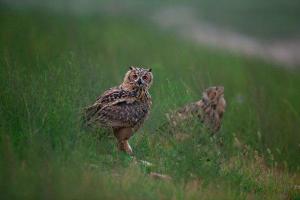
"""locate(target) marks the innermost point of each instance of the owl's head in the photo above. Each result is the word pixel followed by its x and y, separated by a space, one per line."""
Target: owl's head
pixel 138 78
pixel 213 94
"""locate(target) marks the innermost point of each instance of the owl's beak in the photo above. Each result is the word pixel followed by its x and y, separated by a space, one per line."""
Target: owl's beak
pixel 139 82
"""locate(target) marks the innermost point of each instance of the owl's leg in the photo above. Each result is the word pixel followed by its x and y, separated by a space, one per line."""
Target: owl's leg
pixel 123 135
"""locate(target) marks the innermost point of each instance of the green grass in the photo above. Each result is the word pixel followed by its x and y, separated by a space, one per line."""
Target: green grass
pixel 266 20
pixel 54 65
pixel 263 19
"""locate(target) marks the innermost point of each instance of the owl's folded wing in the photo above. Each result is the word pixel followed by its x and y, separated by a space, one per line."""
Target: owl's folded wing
pixel 122 114
pixel 111 97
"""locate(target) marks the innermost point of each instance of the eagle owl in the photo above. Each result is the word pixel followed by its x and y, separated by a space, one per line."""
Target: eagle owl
pixel 123 108
pixel 213 105
pixel 210 109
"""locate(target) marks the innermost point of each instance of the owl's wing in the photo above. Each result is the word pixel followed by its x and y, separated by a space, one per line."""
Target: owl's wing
pixel 107 99
pixel 123 114
pixel 113 96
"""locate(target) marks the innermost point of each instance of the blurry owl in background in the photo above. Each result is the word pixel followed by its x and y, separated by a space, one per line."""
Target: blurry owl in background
pixel 209 109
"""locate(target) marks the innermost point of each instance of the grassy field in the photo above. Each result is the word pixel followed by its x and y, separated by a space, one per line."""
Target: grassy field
pixel 51 66
pixel 263 19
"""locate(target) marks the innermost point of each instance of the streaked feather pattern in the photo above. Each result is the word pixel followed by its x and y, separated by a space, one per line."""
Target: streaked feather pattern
pixel 123 108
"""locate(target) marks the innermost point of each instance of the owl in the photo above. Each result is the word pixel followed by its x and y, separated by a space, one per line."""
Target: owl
pixel 123 108
pixel 213 106
pixel 209 109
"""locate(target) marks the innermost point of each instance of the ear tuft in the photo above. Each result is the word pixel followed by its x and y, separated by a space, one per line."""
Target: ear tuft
pixel 150 70
pixel 131 67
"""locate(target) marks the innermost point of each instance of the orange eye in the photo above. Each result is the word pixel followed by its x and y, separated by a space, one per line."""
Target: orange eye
pixel 145 78
pixel 134 76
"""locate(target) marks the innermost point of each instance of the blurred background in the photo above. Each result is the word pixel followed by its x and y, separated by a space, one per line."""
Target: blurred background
pixel 268 30
pixel 57 56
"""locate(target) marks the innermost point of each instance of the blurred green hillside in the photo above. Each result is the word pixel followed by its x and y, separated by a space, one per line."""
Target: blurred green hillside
pixel 268 20
pixel 52 65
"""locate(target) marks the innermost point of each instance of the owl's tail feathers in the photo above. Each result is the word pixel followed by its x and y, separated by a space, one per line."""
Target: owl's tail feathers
pixel 88 115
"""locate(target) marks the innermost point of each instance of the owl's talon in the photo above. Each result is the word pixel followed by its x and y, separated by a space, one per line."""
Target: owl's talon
pixel 125 147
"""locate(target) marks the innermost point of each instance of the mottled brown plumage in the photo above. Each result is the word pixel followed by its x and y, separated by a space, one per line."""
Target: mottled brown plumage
pixel 123 108
pixel 213 107
pixel 209 109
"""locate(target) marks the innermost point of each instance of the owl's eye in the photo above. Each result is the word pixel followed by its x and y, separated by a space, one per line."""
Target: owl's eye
pixel 213 94
pixel 134 76
pixel 145 77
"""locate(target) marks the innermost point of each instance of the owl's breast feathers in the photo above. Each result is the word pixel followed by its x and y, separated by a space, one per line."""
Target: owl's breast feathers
pixel 120 108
